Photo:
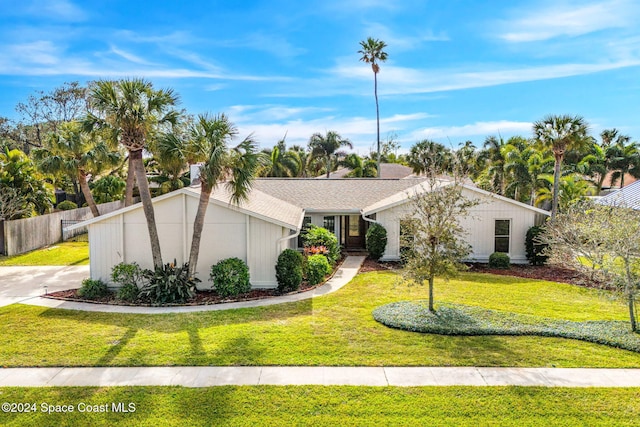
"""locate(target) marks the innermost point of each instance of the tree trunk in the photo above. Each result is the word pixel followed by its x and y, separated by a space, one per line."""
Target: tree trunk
pixel 556 185
pixel 632 312
pixel 198 225
pixel 328 167
pixel 84 187
pixel 131 179
pixel 147 205
pixel 431 309
pixel 375 92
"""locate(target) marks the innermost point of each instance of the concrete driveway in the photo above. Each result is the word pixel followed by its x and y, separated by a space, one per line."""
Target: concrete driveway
pixel 22 283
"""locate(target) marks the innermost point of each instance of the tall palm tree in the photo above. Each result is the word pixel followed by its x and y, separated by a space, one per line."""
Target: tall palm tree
pixel 430 158
pixel 492 156
pixel 560 133
pixel 237 166
pixel 328 147
pixel 77 154
pixel 372 53
pixel 132 110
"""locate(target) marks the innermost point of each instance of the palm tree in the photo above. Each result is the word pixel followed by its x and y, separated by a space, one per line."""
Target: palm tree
pixel 280 162
pixel 303 160
pixel 573 188
pixel 372 52
pixel 430 158
pixel 492 157
pixel 77 154
pixel 236 166
pixel 559 133
pixel 170 161
pixel 624 159
pixel 360 168
pixel 328 147
pixel 132 110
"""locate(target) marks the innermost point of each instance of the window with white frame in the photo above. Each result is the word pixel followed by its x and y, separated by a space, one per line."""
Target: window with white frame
pixel 502 235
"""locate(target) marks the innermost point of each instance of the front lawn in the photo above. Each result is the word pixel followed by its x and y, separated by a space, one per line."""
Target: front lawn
pixel 334 330
pixel 329 406
pixel 65 253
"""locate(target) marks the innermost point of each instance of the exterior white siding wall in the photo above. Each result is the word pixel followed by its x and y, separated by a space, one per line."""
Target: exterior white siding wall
pixel 480 225
pixel 263 252
pixel 227 233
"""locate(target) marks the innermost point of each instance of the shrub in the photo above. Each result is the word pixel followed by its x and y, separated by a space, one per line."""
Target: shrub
pixel 67 205
pixel 93 289
pixel 318 236
pixel 289 270
pixel 317 268
pixel 499 260
pixel 169 284
pixel 376 240
pixel 128 274
pixel 230 277
pixel 535 249
pixel 128 292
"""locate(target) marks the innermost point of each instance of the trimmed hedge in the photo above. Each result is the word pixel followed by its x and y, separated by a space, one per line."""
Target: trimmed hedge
pixel 93 289
pixel 230 277
pixel 317 269
pixel 458 319
pixel 376 240
pixel 499 260
pixel 67 205
pixel 289 270
pixel 534 248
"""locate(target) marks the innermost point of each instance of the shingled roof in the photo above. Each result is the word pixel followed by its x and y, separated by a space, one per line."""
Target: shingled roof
pixel 333 195
pixel 628 196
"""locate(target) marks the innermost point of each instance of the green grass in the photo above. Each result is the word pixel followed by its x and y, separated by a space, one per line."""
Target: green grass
pixel 334 330
pixel 65 253
pixel 333 406
pixel 456 319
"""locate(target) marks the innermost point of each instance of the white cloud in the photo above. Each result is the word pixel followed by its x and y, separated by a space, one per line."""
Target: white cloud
pixel 263 123
pixel 395 80
pixel 503 127
pixel 129 56
pixel 405 42
pixel 568 19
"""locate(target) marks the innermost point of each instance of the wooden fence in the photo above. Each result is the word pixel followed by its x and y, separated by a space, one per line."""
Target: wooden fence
pixel 24 235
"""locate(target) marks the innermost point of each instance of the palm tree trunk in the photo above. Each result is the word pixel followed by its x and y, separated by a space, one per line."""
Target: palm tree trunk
pixel 198 225
pixel 328 167
pixel 147 205
pixel 131 179
pixel 556 185
pixel 375 93
pixel 84 187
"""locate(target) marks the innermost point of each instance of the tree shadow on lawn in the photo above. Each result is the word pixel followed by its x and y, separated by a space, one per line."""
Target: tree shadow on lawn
pixel 238 345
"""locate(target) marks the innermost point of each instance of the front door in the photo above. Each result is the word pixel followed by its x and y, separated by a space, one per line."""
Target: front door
pixel 354 229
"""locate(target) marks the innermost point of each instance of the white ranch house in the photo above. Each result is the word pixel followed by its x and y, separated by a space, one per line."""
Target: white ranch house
pixel 275 213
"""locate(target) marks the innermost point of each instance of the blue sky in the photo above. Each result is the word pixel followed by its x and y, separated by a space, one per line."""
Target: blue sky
pixel 457 69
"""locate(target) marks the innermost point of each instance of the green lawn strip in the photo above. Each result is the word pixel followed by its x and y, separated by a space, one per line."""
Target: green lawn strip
pixel 329 406
pixel 65 253
pixel 456 319
pixel 334 330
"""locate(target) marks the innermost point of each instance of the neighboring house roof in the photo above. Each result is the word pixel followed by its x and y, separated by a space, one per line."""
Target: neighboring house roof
pixel 333 195
pixel 387 171
pixel 628 196
pixel 259 205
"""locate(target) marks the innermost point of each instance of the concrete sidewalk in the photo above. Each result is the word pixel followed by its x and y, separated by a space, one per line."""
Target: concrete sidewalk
pixel 342 276
pixel 209 376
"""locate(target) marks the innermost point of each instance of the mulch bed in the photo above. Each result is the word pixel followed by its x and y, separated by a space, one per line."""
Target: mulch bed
pixel 542 272
pixel 203 297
